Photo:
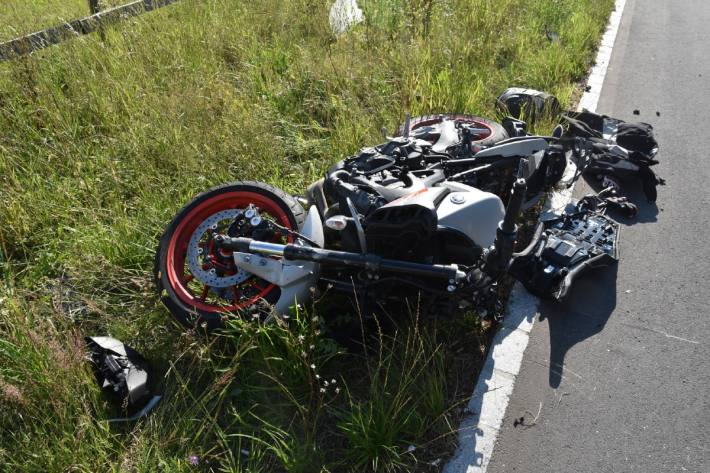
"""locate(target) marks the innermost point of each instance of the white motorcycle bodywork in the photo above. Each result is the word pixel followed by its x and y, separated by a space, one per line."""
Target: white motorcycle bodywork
pixel 295 278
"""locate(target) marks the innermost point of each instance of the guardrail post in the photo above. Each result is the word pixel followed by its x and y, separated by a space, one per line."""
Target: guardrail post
pixel 96 21
pixel 94 6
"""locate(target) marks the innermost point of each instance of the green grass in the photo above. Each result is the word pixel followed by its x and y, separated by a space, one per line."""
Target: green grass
pixel 103 140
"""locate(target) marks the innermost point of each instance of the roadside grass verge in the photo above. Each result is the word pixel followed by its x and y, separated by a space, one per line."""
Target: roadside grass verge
pixel 102 140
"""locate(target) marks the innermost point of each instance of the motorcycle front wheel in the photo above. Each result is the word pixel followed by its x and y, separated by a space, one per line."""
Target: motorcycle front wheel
pixel 199 283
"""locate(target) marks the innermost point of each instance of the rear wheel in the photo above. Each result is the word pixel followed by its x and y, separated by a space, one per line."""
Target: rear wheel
pixel 199 283
pixel 490 134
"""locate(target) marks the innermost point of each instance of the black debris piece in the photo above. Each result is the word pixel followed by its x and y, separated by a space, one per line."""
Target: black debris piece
pixel 636 112
pixel 122 372
pixel 551 36
pixel 563 248
pixel 607 199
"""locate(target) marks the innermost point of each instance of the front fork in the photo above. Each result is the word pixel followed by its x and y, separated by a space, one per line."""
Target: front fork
pixel 498 258
pixel 368 261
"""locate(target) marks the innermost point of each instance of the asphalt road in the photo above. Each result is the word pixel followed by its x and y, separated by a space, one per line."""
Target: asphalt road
pixel 617 378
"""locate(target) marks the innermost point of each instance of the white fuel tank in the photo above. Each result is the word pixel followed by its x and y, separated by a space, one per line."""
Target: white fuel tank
pixel 471 211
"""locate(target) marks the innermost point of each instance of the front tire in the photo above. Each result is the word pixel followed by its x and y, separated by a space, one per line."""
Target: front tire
pixel 199 284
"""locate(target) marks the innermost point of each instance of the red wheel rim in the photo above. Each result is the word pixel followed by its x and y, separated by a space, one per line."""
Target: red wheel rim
pixel 179 276
pixel 471 121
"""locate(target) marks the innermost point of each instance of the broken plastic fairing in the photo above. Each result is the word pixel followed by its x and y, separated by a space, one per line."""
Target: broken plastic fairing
pixel 562 249
pixel 123 373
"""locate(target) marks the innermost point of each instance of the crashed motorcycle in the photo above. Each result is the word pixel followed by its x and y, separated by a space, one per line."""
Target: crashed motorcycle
pixel 432 211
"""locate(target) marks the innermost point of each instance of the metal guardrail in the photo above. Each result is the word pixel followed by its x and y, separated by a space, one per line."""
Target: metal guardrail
pixel 27 44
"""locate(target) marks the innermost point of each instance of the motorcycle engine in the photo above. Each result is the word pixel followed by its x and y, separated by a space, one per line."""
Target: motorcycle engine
pixel 379 183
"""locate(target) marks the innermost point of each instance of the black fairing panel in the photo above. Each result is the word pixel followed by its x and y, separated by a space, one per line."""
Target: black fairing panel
pixel 406 228
pixel 564 248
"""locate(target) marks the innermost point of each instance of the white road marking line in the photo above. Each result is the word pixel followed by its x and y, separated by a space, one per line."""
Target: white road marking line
pixel 662 332
pixel 590 99
pixel 479 429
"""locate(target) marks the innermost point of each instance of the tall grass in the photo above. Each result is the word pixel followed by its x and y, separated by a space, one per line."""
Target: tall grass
pixel 102 139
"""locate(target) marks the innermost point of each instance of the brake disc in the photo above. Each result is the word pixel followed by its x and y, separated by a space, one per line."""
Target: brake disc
pixel 196 254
